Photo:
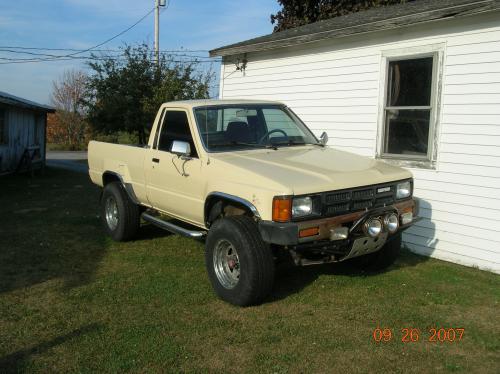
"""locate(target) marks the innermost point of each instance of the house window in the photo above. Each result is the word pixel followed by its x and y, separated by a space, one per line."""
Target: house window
pixel 409 108
pixel 4 139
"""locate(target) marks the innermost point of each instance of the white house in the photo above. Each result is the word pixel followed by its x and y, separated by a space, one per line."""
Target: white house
pixel 417 85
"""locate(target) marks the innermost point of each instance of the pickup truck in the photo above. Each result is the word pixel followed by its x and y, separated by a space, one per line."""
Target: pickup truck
pixel 251 180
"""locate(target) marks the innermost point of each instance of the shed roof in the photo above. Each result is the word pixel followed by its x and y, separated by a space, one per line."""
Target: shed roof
pixel 374 19
pixel 6 98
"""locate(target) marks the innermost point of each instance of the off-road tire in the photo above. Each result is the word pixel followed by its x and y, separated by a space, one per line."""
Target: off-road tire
pixel 381 259
pixel 128 213
pixel 256 263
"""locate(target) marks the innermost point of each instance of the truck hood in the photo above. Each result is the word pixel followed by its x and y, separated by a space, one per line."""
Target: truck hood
pixel 309 169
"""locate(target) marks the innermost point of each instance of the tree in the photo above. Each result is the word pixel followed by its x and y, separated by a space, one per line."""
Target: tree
pixel 125 94
pixel 296 13
pixel 68 125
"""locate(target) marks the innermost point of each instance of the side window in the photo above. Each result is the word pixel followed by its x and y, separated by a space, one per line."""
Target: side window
pixel 4 139
pixel 175 127
pixel 408 122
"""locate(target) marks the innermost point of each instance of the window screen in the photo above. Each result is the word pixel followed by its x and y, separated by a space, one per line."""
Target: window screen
pixel 408 107
pixel 175 127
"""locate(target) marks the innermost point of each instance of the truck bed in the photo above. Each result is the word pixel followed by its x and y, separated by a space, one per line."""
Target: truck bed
pixel 126 161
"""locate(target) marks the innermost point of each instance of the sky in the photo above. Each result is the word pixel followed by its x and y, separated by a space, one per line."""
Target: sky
pixel 80 24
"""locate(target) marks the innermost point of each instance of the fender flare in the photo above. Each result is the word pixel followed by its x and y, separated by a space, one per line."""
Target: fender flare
pixel 126 186
pixel 231 198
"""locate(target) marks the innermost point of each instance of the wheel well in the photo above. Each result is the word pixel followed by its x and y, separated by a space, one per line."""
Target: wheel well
pixel 109 177
pixel 217 206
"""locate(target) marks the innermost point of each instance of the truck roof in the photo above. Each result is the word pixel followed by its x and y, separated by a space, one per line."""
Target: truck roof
pixel 209 102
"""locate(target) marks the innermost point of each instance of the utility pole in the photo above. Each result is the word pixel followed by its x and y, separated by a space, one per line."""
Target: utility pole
pixel 158 4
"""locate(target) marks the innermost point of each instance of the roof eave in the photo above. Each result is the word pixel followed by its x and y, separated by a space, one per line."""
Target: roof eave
pixel 382 25
pixel 20 104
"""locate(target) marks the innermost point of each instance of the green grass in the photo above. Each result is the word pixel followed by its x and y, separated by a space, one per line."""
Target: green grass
pixel 73 300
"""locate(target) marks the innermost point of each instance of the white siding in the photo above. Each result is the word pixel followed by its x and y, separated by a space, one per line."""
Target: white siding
pixel 335 86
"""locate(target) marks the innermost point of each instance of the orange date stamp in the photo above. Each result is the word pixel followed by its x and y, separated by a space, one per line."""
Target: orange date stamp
pixel 414 335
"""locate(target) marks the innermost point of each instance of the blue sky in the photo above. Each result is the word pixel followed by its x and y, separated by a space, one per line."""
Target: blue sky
pixel 189 24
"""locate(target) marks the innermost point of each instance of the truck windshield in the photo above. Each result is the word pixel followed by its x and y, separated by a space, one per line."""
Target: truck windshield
pixel 237 127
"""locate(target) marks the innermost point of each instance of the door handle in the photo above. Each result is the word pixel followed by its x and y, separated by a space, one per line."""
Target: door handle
pixel 157 160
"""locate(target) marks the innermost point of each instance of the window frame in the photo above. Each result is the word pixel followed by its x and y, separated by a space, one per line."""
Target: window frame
pixel 162 123
pixel 428 161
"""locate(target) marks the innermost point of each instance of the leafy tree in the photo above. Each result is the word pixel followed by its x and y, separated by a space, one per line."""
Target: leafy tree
pixel 295 13
pixel 124 94
pixel 68 126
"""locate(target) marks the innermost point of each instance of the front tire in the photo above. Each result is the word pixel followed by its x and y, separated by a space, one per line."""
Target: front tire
pixel 240 265
pixel 119 215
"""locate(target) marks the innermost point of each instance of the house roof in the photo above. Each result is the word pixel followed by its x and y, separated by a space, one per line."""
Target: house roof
pixel 374 19
pixel 6 98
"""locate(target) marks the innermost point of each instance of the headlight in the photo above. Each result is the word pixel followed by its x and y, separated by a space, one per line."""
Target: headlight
pixel 302 206
pixel 403 190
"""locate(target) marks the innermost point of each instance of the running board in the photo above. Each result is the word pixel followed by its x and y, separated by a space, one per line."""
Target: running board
pixel 172 227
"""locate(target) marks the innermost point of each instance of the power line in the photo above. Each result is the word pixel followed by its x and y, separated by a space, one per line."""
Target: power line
pixel 97 50
pixel 118 53
pixel 116 36
pixel 94 58
pixel 70 55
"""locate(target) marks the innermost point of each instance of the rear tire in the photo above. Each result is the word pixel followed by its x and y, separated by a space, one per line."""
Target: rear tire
pixel 381 259
pixel 240 265
pixel 119 215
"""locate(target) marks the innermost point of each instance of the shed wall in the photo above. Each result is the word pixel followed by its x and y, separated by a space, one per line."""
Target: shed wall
pixel 336 86
pixel 26 128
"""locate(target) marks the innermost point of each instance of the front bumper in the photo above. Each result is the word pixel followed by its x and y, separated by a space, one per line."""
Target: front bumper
pixel 287 234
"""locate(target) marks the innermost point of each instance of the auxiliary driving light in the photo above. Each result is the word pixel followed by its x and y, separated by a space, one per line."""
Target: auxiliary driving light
pixel 391 222
pixel 373 227
pixel 406 218
pixel 339 233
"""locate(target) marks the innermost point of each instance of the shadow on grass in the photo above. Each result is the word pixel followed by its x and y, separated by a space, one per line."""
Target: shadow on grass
pixel 291 279
pixel 17 361
pixel 149 232
pixel 49 230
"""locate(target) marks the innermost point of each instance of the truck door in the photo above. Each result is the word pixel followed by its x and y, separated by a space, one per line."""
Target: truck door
pixel 174 184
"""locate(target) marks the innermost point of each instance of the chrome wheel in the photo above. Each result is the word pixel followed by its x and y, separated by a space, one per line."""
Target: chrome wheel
pixel 226 264
pixel 111 212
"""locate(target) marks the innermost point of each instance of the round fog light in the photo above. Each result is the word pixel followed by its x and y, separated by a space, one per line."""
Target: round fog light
pixel 391 222
pixel 373 227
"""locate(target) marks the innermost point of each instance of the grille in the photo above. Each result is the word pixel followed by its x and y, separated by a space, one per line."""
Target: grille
pixel 347 201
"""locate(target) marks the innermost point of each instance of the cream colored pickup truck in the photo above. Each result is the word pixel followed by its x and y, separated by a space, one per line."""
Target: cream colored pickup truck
pixel 255 181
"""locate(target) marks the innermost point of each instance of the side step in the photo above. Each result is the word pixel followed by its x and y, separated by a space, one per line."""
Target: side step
pixel 169 226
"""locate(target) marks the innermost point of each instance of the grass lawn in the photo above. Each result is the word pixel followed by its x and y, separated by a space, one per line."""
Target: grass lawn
pixel 73 300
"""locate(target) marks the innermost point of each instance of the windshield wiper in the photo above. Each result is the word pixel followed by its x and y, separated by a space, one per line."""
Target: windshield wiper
pixel 252 145
pixel 293 143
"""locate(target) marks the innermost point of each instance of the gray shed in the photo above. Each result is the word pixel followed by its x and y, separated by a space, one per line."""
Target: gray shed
pixel 22 133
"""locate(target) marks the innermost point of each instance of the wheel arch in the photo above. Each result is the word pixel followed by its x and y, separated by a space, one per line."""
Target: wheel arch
pixel 216 202
pixel 111 176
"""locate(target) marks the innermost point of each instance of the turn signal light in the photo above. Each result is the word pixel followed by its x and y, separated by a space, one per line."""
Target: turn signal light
pixel 282 209
pixel 312 231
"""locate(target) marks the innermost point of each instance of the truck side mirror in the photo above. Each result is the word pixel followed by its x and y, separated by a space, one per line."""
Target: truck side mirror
pixel 180 148
pixel 323 139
